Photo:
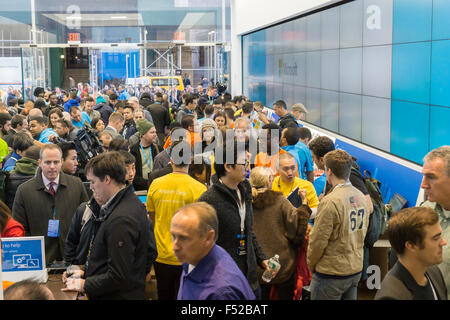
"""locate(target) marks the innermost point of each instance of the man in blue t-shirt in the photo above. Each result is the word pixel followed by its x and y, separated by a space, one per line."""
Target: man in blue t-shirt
pixel 39 131
pixel 307 164
pixel 79 119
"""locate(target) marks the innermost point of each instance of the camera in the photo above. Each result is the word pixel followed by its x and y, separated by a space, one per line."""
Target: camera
pixel 87 144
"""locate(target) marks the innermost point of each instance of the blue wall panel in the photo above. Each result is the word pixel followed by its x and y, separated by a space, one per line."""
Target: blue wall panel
pixel 394 177
pixel 440 73
pixel 412 20
pixel 439 127
pixel 409 130
pixel 411 72
pixel 441 20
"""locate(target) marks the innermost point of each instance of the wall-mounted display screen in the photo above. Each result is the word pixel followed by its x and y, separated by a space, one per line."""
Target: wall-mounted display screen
pixel 376 71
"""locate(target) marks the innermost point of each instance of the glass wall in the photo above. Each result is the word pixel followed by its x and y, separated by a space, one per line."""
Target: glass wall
pixel 375 71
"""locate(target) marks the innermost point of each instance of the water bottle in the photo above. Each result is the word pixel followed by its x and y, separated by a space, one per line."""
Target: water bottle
pixel 274 264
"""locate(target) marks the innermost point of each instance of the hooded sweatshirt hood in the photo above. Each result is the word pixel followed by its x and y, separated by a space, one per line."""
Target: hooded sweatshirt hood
pixel 26 166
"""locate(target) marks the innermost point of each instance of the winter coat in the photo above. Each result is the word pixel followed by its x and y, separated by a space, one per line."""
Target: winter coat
pixel 70 103
pixel 24 170
pixel 85 223
pixel 280 229
pixel 118 262
pixel 34 206
pixel 139 180
pixel 105 111
pixel 225 204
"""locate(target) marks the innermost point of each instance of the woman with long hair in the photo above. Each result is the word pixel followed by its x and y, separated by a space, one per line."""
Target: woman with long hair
pixel 54 115
pixel 8 226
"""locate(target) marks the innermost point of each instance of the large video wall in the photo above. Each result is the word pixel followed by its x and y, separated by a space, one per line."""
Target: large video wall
pixel 376 71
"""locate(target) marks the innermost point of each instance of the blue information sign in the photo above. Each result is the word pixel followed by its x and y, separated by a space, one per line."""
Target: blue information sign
pixel 22 254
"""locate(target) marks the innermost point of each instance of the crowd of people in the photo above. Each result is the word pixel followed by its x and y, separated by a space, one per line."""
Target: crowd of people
pixel 230 183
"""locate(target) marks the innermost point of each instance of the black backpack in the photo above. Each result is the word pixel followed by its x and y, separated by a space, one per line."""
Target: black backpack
pixel 378 218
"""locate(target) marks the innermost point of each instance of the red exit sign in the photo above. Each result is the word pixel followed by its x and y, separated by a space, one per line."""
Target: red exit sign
pixel 75 37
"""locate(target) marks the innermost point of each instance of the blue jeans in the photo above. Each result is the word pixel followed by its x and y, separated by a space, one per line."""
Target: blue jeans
pixel 334 289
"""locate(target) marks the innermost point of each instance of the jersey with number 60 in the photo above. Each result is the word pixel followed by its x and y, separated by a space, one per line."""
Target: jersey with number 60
pixel 337 239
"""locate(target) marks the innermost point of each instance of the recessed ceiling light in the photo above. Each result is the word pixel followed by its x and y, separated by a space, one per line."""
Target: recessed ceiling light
pixel 119 17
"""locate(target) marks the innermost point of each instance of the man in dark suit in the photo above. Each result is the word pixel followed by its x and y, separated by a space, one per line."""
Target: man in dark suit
pixel 416 235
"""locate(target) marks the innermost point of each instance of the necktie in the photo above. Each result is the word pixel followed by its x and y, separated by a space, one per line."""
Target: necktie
pixel 51 189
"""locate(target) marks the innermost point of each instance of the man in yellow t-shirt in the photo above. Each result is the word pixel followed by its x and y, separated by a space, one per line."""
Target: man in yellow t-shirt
pixel 287 181
pixel 165 196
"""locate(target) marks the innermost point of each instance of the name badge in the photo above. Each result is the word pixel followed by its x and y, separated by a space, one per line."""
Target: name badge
pixel 53 229
pixel 242 249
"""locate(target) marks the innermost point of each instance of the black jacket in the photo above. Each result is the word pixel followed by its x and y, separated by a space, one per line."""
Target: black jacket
pixel 81 231
pixel 119 255
pixel 140 182
pixel 85 224
pixel 105 111
pixel 225 203
pixel 286 120
pixel 398 284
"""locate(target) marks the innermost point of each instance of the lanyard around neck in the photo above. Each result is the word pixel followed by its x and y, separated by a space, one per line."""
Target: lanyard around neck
pixel 241 208
pixel 147 161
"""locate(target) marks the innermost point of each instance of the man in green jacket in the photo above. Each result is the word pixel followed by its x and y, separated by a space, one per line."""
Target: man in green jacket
pixel 45 204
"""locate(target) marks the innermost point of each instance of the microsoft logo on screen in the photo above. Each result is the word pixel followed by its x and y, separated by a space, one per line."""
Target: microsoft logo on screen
pixel 284 68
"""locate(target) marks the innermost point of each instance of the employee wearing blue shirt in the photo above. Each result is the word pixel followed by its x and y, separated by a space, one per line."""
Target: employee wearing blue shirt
pixel 39 131
pixel 79 119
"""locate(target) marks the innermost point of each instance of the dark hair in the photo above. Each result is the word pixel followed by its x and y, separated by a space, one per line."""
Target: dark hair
pixel 66 147
pixel 108 164
pixel 27 290
pixel 88 99
pixel 33 152
pixel 21 142
pixel 320 146
pixel 73 95
pixel 304 133
pixel 12 102
pixel 280 103
pixel 128 106
pixel 187 120
pixel 197 166
pixel 4 117
pixel 218 101
pixel 119 104
pixel 5 215
pixel 273 126
pixel 17 120
pixel 189 99
pixel 229 113
pixel 220 114
pixel 209 110
pixel 127 157
pixel 113 96
pixel 74 109
pixel 118 144
pixel 409 225
pixel 158 95
pixel 57 111
pixel 238 99
pixel 291 135
pixel 39 119
pixel 247 107
pixel 94 122
pixel 340 163
pixel 64 123
pixel 219 166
